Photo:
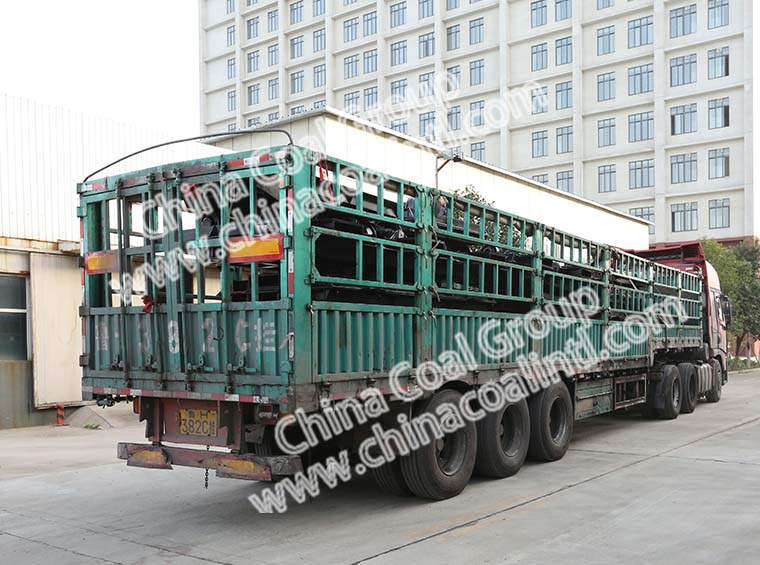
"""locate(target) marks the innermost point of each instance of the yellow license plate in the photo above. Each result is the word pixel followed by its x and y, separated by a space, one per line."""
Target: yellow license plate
pixel 194 422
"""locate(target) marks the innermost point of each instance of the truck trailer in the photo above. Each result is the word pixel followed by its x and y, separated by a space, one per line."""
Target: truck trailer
pixel 227 296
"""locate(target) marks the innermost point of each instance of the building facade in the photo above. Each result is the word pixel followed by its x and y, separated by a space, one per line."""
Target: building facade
pixel 643 105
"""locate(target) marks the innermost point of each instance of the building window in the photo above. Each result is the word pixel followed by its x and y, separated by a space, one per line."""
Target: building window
pixel 427 84
pixel 564 95
pixel 564 181
pixel 13 318
pixel 296 12
pixel 538 13
pixel 477 72
pixel 427 125
pixel 607 178
pixel 683 216
pixel 720 213
pixel 606 132
pixel 254 94
pixel 717 13
pixel 539 98
pixel 319 40
pixel 683 21
pixel 427 45
pixel 370 61
pixel 232 101
pixel 320 75
pixel 231 68
pixel 476 31
pixel 351 102
pixel 230 36
pixel 272 21
pixel 273 116
pixel 320 103
pixel 252 28
pixel 605 87
pixel 563 9
pixel 564 51
pixel 253 122
pixel 683 168
pixel 349 2
pixel 565 139
pixel 605 40
pixel 602 4
pixel 476 113
pixel 539 57
pixel 454 118
pixel 230 6
pixel 253 61
pixel 453 78
pixel 640 79
pixel 683 70
pixel 398 14
pixel 273 55
pixel 296 47
pixel 718 165
pixel 398 91
pixel 478 150
pixel 645 213
pixel 542 178
pixel 351 66
pixel 452 37
pixel 718 113
pixel 540 143
pixel 683 119
pixel 274 89
pixel 640 32
pixel 398 53
pixel 318 8
pixel 641 174
pixel 452 4
pixel 370 23
pixel 640 127
pixel 296 82
pixel 297 109
pixel 425 8
pixel 400 125
pixel 350 30
pixel 370 98
pixel 717 63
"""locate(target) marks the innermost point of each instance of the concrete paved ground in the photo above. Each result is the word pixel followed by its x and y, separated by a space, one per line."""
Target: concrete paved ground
pixel 628 491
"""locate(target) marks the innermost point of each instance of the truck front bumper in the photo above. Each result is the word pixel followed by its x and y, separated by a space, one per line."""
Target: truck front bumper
pixel 227 465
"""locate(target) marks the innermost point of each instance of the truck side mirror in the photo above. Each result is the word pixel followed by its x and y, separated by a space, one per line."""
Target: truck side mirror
pixel 726 306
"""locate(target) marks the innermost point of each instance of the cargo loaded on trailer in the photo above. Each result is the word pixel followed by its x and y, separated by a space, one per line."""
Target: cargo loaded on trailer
pixel 320 307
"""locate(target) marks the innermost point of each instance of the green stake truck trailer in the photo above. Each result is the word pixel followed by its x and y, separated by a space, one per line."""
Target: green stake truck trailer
pixel 321 306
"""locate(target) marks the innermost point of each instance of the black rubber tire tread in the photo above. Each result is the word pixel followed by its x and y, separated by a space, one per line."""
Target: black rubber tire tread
pixel 491 461
pixel 670 376
pixel 420 469
pixel 390 479
pixel 714 394
pixel 542 446
pixel 689 387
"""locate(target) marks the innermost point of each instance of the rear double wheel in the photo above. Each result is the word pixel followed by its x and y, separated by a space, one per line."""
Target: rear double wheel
pixel 442 468
pixel 689 387
pixel 503 440
pixel 716 390
pixel 669 393
pixel 551 422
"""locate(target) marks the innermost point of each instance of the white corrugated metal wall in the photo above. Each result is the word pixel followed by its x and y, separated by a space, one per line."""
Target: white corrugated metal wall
pixel 45 150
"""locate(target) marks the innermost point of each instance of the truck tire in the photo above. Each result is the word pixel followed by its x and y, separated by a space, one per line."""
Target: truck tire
pixel 689 387
pixel 503 440
pixel 714 394
pixel 669 393
pixel 442 468
pixel 551 422
pixel 390 479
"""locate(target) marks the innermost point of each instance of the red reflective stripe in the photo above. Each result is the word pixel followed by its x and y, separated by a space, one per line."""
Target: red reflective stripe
pixel 236 163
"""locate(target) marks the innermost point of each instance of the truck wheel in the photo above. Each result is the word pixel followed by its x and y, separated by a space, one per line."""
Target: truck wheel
pixel 503 440
pixel 390 479
pixel 689 387
pixel 551 422
pixel 714 394
pixel 669 392
pixel 442 468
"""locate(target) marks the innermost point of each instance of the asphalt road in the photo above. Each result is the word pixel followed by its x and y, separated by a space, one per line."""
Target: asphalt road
pixel 628 491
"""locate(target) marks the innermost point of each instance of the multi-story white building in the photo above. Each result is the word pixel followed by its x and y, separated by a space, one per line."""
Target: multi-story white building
pixel 644 105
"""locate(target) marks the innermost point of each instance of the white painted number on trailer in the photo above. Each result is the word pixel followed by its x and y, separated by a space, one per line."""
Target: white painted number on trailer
pixel 172 329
